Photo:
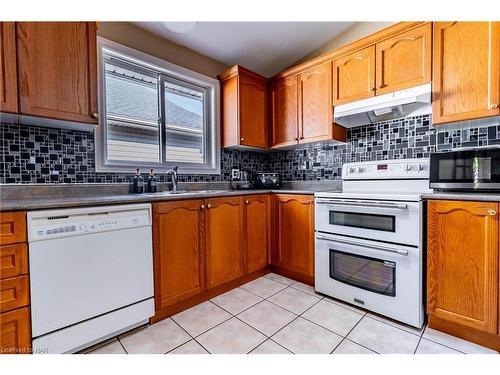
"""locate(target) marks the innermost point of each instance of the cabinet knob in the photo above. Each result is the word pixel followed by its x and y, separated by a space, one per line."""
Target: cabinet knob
pixel 301 138
pixel 493 106
pixel 247 202
pixel 202 206
pixel 297 138
pixel 492 212
pixel 372 88
pixel 209 205
pixel 242 139
pixel 95 115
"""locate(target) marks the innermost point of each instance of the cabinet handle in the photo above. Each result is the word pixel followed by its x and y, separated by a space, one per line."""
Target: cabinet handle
pixel 209 205
pixel 202 206
pixel 493 106
pixel 95 115
pixel 492 212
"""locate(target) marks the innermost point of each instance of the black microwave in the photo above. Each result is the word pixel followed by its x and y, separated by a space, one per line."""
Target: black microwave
pixel 466 169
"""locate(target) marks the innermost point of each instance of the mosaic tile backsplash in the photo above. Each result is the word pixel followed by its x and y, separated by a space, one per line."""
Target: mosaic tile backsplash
pixel 31 154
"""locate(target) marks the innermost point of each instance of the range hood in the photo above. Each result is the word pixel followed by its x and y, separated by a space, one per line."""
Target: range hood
pixel 414 101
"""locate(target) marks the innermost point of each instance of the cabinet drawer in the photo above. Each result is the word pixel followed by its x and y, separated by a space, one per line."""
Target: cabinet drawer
pixel 12 227
pixel 13 260
pixel 15 332
pixel 14 293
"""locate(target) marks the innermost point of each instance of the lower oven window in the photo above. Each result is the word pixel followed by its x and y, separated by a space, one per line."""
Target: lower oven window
pixel 375 275
pixel 385 223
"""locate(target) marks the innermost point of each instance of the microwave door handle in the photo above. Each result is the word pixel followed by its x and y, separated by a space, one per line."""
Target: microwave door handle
pixel 376 247
pixel 399 206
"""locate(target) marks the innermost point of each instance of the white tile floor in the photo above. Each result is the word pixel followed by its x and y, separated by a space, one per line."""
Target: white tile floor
pixel 276 315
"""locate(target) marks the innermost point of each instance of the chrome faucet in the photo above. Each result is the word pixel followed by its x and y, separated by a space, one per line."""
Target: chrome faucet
pixel 173 174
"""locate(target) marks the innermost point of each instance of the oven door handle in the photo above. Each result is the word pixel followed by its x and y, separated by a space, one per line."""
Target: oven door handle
pixel 376 247
pixel 398 206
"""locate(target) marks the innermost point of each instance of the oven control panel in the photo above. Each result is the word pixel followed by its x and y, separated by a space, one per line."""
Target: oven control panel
pixel 387 169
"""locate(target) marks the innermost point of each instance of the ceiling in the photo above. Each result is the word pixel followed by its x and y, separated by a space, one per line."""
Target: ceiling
pixel 264 47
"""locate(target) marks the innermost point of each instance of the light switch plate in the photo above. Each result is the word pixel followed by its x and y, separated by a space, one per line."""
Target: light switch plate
pixel 235 173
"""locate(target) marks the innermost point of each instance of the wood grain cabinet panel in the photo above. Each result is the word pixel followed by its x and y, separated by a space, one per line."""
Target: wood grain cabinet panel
pixel 14 293
pixel 57 72
pixel 285 112
pixel 462 263
pixel 256 232
pixel 12 227
pixel 8 69
pixel 466 71
pixel 316 123
pixel 179 261
pixel 224 240
pixel 295 234
pixel 15 332
pixel 354 76
pixel 244 108
pixel 404 60
pixel 13 260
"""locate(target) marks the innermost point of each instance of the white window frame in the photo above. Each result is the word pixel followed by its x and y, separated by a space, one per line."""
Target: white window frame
pixel 212 115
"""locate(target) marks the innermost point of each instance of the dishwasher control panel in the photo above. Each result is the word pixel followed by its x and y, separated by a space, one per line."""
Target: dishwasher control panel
pixel 63 223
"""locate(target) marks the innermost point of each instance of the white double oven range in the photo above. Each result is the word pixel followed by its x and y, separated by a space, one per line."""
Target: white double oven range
pixel 369 238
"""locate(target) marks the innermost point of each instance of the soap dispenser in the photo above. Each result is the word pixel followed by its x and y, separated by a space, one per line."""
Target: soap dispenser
pixel 138 183
pixel 152 182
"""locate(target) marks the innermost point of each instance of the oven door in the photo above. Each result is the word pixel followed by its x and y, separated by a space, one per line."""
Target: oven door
pixel 386 279
pixel 389 221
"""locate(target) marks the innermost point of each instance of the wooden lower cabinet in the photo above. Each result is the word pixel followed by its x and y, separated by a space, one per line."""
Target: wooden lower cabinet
pixel 293 252
pixel 179 259
pixel 463 269
pixel 224 240
pixel 15 332
pixel 256 232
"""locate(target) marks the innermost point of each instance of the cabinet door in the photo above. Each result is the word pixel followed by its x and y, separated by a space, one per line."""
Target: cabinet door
pixel 295 231
pixel 284 96
pixel 12 227
pixel 404 60
pixel 224 240
pixel 179 263
pixel 354 76
pixel 57 70
pixel 462 263
pixel 256 231
pixel 15 332
pixel 8 70
pixel 316 104
pixel 466 71
pixel 253 112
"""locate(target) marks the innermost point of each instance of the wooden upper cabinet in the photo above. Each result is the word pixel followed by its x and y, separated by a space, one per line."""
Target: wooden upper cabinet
pixel 295 232
pixel 466 71
pixel 354 76
pixel 285 112
pixel 404 60
pixel 57 72
pixel 224 240
pixel 257 231
pixel 315 99
pixel 462 263
pixel 244 108
pixel 8 69
pixel 179 262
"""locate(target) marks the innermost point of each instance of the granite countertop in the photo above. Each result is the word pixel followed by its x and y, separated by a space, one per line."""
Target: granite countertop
pixel 463 196
pixel 42 197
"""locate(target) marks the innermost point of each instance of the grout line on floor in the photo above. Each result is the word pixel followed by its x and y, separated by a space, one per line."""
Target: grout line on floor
pixel 418 344
pixel 121 343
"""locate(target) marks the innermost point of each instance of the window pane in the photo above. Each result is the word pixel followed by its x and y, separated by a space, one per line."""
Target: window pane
pixel 184 119
pixel 131 114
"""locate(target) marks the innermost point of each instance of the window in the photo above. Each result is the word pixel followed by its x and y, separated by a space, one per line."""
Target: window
pixel 155 115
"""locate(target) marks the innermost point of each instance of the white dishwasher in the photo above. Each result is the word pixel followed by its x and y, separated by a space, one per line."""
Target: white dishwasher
pixel 91 274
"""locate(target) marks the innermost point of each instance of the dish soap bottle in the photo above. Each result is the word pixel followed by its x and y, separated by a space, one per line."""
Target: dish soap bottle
pixel 152 182
pixel 138 183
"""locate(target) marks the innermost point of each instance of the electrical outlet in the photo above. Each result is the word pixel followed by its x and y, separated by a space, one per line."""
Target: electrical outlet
pixel 235 173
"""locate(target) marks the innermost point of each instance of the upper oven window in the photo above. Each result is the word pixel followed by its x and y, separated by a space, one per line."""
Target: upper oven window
pixel 385 223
